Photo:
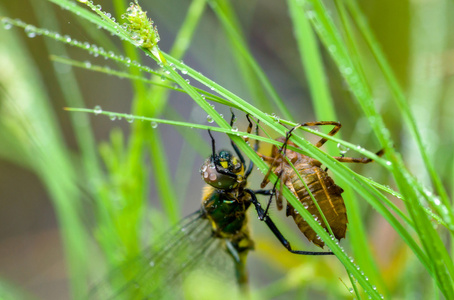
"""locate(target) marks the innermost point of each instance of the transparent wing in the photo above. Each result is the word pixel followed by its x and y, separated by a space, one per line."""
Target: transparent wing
pixel 158 274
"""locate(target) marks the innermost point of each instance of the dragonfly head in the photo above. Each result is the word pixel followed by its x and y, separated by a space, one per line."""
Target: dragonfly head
pixel 222 171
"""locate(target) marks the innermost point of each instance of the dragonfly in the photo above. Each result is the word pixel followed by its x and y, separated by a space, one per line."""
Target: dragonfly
pixel 220 228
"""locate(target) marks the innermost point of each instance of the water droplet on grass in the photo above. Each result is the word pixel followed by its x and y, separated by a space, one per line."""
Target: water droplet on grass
pixel 342 149
pixel 97 110
pixel 7 24
pixel 129 118
pixel 30 31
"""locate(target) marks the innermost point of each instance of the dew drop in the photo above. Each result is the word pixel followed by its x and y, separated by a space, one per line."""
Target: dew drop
pixel 342 149
pixel 184 71
pixel 6 24
pixel 437 201
pixel 210 119
pixel 30 31
pixel 112 117
pixel 129 118
pixel 234 129
pixel 97 110
pixel 154 125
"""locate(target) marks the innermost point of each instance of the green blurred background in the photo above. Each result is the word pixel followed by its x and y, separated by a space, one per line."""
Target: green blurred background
pixel 416 37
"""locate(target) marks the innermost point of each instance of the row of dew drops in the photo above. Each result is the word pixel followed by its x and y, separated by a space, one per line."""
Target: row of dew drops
pixel 129 118
pixel 32 31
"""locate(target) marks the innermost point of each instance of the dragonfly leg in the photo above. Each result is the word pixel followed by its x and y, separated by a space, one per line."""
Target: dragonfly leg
pixel 275 230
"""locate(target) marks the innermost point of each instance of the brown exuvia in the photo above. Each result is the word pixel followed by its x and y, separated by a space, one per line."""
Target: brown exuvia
pixel 323 189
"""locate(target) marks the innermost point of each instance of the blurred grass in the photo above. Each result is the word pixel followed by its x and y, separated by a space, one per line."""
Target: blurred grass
pixel 118 188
